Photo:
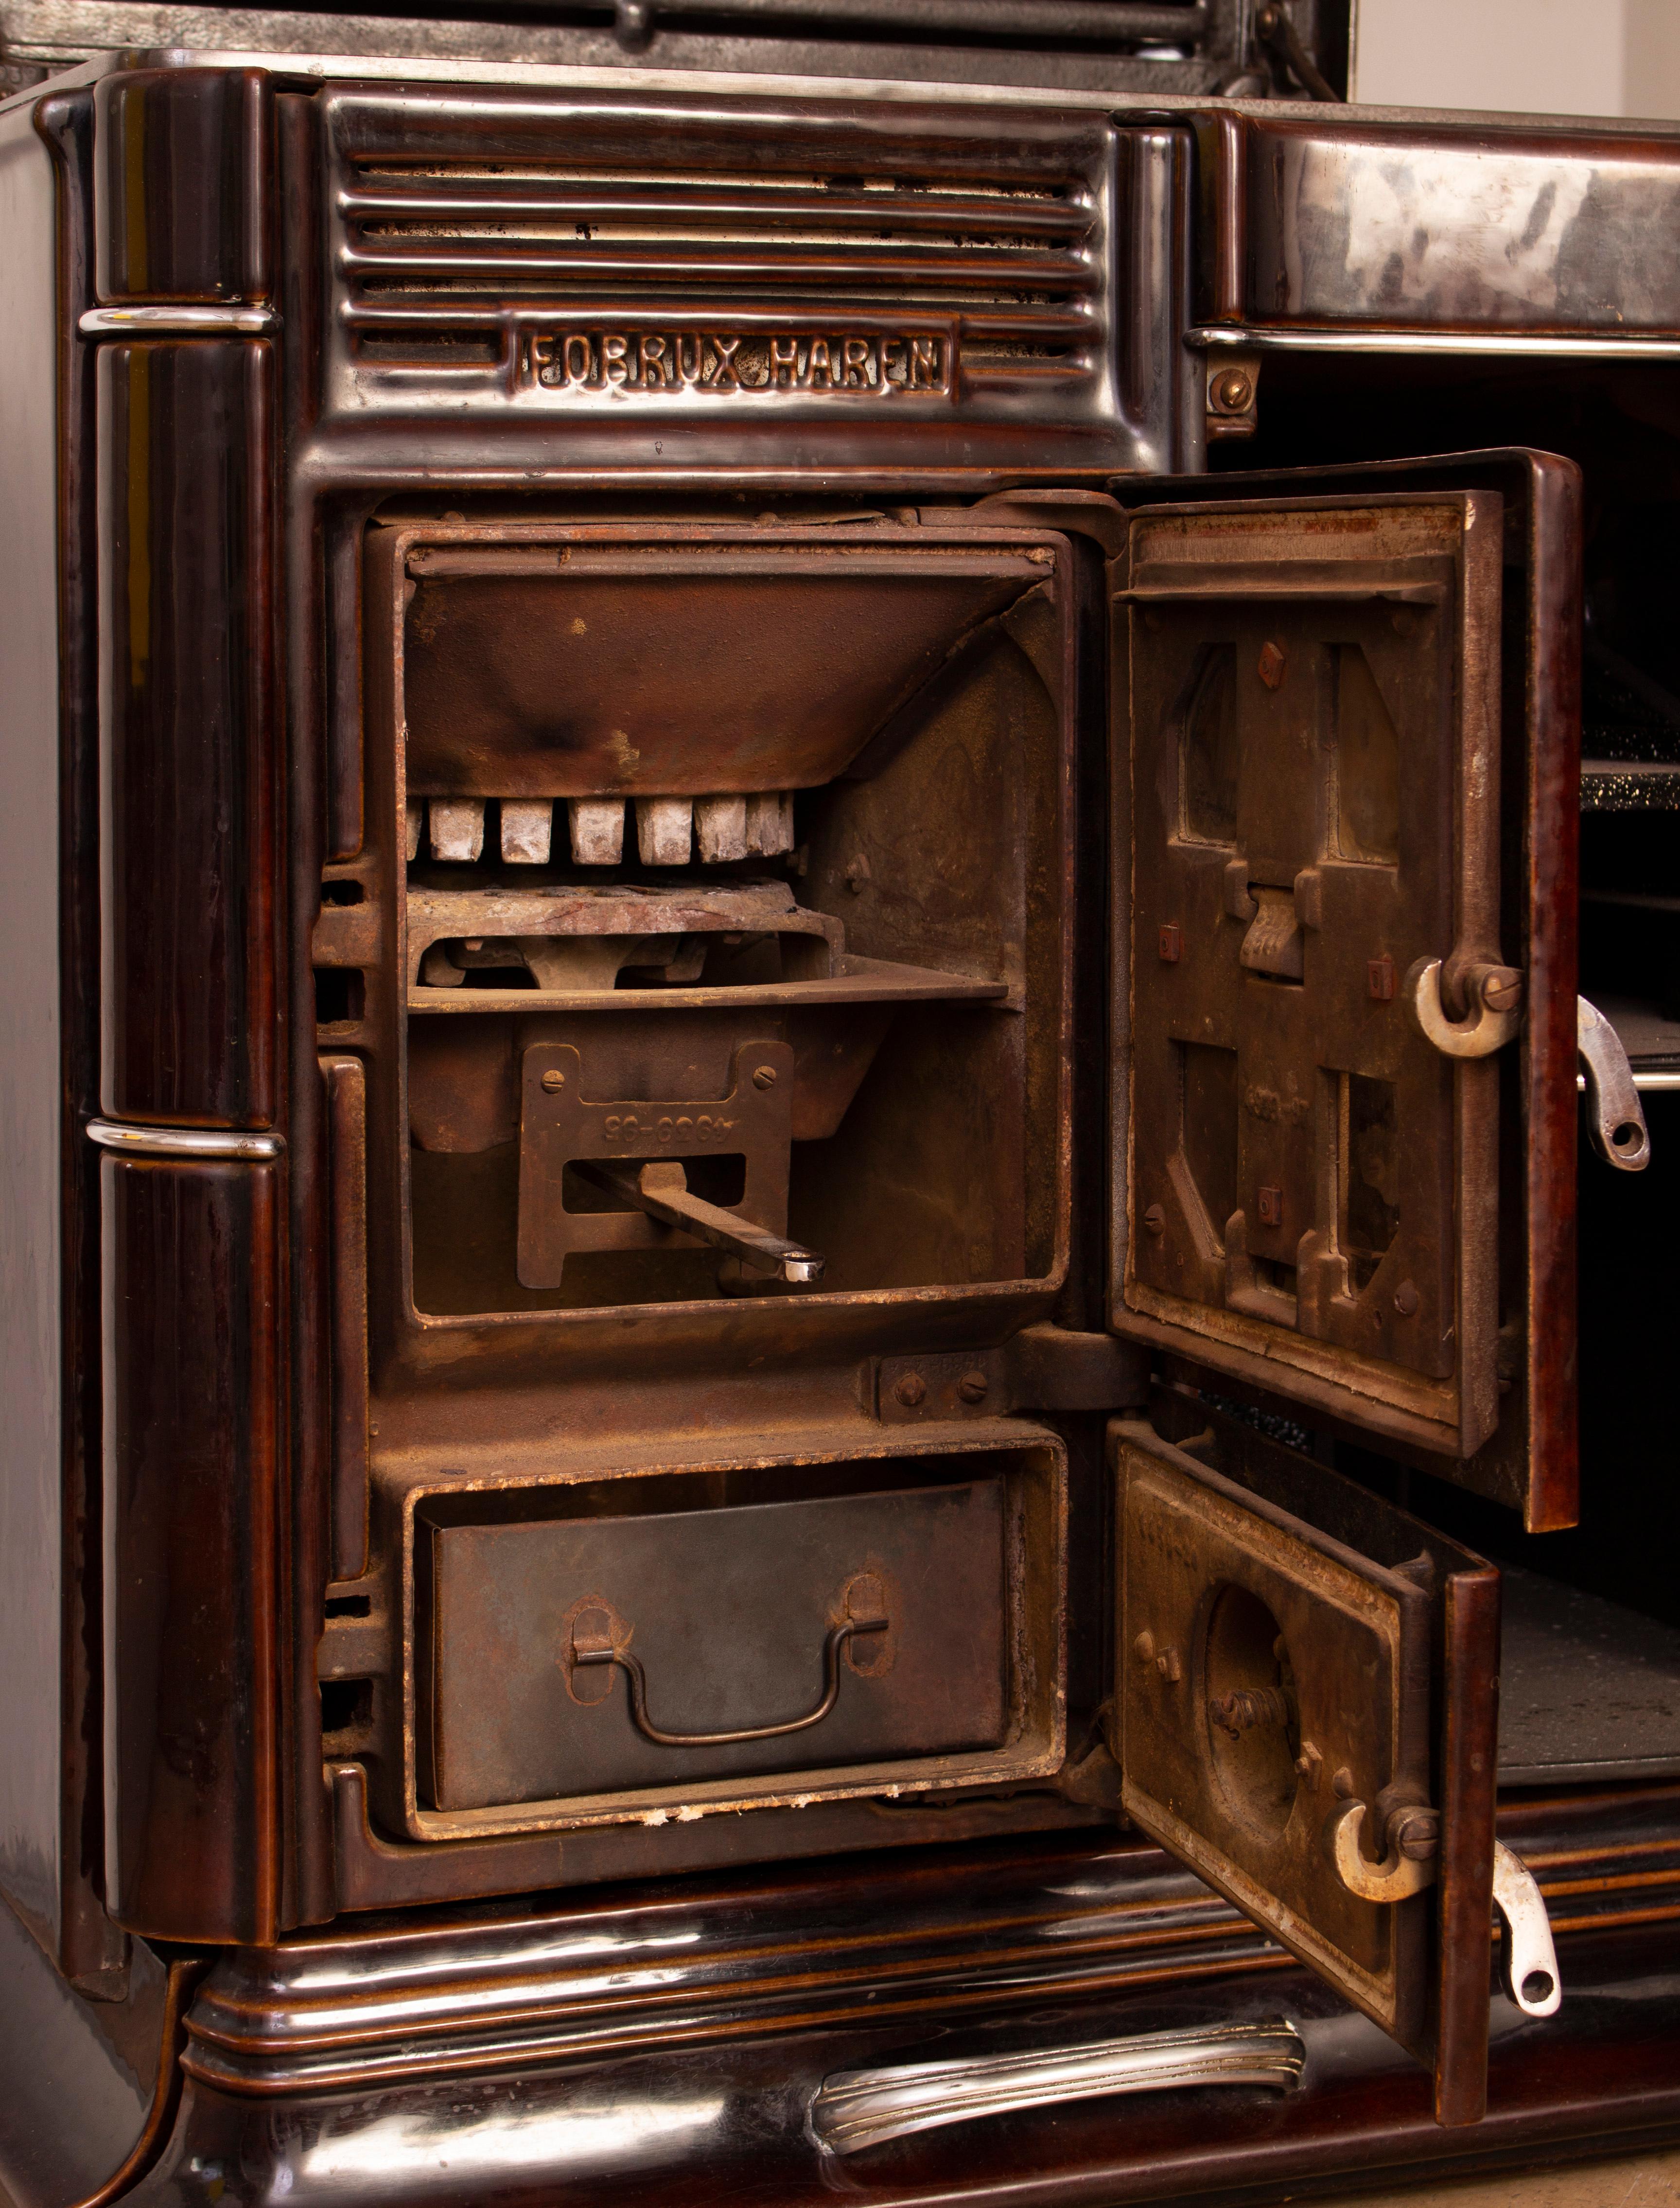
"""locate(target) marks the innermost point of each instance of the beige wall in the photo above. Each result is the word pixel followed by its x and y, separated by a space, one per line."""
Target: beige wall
pixel 1546 56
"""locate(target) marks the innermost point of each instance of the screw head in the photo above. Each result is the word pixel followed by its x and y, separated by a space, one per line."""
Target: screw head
pixel 1233 391
pixel 553 1080
pixel 764 1076
pixel 910 1391
pixel 973 1387
pixel 1501 991
pixel 1155 1220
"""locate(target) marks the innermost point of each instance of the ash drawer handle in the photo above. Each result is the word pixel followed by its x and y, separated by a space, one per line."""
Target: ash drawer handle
pixel 600 1635
pixel 856 2108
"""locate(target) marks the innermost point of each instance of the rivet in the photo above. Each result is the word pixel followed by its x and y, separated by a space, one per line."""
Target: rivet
pixel 1406 1299
pixel 1144 1648
pixel 910 1391
pixel 1155 1220
pixel 1233 391
pixel 764 1076
pixel 552 1080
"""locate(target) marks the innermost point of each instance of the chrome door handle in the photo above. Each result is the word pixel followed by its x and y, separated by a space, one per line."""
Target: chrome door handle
pixel 856 2108
pixel 600 1635
pixel 1527 1958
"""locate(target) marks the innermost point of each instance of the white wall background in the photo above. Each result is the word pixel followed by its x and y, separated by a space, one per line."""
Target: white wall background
pixel 1544 56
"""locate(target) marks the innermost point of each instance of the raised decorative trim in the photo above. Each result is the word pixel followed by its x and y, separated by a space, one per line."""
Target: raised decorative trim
pixel 178 321
pixel 182 1142
pixel 1238 337
pixel 856 2108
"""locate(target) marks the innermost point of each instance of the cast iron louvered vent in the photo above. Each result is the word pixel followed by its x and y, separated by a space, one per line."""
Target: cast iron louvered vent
pixel 889 280
pixel 438 256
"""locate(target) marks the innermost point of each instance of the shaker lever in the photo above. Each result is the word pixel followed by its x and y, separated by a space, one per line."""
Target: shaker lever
pixel 1615 1116
pixel 661 1189
pixel 1527 1959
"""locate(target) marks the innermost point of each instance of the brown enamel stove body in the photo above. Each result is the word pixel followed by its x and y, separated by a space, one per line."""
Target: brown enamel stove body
pixel 798 1133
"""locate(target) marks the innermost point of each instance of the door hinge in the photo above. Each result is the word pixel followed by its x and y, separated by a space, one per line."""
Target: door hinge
pixel 1043 1368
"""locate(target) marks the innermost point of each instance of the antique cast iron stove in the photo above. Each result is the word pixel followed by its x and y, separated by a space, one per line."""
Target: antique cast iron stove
pixel 794 857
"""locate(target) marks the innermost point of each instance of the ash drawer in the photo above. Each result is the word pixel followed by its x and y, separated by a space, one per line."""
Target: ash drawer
pixel 834 1629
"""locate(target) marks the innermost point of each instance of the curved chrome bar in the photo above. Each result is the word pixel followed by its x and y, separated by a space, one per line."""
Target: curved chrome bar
pixel 631 1666
pixel 182 1142
pixel 177 321
pixel 856 2108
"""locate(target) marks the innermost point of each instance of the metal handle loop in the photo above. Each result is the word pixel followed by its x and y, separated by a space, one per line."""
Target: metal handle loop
pixel 1495 1024
pixel 601 1645
pixel 1408 1866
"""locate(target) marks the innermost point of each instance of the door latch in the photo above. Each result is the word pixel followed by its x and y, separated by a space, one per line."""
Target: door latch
pixel 1494 995
pixel 1614 1117
pixel 1413 1841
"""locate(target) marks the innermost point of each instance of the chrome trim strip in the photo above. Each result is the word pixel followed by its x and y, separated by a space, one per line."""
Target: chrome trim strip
pixel 1512 344
pixel 1642 1080
pixel 182 1142
pixel 178 321
pixel 858 2109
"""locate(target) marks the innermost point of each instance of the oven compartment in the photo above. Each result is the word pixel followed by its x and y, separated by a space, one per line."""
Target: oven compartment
pixel 663 1644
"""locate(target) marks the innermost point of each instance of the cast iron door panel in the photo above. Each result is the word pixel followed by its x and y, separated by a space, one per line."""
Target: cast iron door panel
pixel 1279 1684
pixel 1314 953
pixel 582 1657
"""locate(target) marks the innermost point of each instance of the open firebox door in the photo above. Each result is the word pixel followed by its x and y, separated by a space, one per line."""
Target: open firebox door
pixel 1345 1035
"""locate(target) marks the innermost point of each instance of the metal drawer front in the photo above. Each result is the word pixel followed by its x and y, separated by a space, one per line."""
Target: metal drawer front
pixel 548 1640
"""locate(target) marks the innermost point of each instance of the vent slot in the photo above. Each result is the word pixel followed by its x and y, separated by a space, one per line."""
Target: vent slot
pixel 442 260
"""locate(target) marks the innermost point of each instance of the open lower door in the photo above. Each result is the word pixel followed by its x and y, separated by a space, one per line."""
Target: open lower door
pixel 1344 836
pixel 1306 1696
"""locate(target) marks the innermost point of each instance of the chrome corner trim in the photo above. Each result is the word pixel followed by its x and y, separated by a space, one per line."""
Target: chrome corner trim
pixel 182 1142
pixel 858 2109
pixel 1506 344
pixel 178 321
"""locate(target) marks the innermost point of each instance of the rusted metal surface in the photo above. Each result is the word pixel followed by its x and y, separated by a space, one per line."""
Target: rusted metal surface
pixel 726 1578
pixel 734 1618
pixel 1307 1713
pixel 1314 745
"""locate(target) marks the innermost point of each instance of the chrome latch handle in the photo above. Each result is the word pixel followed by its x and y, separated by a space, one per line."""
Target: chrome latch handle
pixel 600 1635
pixel 1527 1958
pixel 1614 1117
pixel 1412 1843
pixel 1494 994
pixel 856 2108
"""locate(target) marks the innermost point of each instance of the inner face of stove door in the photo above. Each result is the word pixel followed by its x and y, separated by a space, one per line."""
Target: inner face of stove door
pixel 733 909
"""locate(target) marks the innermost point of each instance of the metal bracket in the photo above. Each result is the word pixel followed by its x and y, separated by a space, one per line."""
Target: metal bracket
pixel 1614 1117
pixel 1527 1958
pixel 1042 1368
pixel 1414 1839
pixel 858 2109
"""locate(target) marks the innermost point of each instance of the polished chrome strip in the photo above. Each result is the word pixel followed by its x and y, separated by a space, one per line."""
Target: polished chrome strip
pixel 1643 1081
pixel 1510 343
pixel 182 1142
pixel 857 2109
pixel 177 321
